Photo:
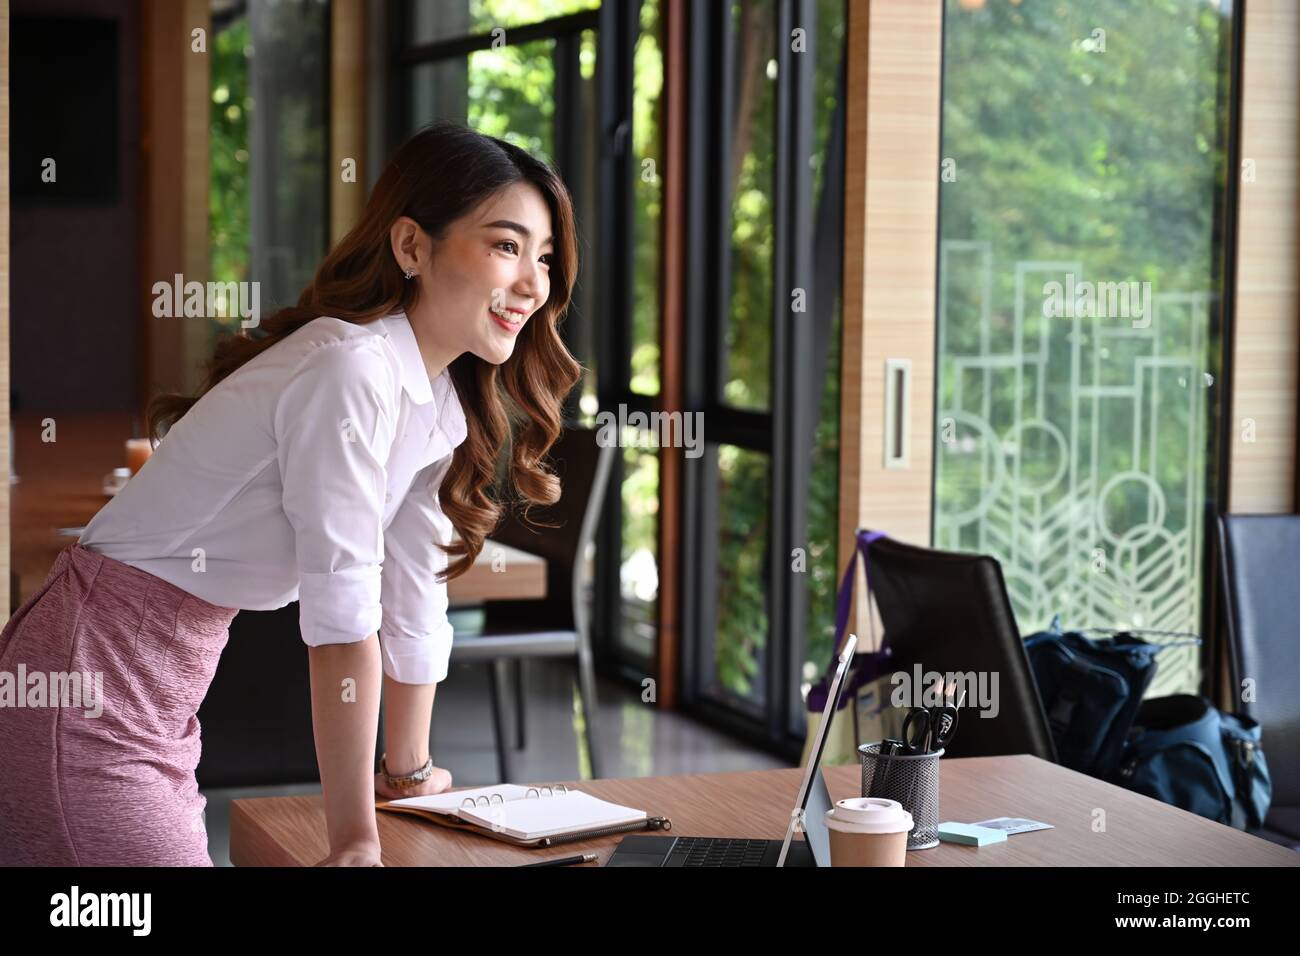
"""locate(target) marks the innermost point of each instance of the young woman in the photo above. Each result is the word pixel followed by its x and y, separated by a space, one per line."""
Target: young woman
pixel 327 461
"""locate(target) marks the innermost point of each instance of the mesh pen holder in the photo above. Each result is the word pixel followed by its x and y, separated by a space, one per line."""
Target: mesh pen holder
pixel 911 780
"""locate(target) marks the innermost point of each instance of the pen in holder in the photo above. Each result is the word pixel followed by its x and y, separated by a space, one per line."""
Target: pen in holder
pixel 912 780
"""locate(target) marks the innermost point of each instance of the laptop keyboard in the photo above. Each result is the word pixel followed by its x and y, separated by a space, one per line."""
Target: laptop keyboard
pixel 714 851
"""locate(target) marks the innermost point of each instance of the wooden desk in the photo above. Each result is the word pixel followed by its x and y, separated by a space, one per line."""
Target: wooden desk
pixel 290 831
pixel 60 487
pixel 522 576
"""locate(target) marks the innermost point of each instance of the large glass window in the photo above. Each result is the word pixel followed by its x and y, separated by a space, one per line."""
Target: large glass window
pixel 763 361
pixel 228 155
pixel 824 498
pixel 741 623
pixel 748 346
pixel 529 73
pixel 1083 174
pixel 648 79
pixel 269 151
pixel 763 306
pixel 524 72
pixel 639 568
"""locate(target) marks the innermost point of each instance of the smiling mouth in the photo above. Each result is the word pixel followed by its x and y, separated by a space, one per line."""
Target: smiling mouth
pixel 508 319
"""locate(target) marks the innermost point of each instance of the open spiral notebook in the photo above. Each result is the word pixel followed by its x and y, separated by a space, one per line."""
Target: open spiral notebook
pixel 532 816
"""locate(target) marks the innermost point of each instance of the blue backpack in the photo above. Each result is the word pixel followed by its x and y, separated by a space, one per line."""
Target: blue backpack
pixel 1179 749
pixel 1091 690
pixel 1185 751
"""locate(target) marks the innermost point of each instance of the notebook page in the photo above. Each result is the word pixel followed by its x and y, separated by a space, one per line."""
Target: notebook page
pixel 531 818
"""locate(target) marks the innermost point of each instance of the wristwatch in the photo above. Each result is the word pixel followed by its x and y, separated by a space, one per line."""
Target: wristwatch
pixel 409 780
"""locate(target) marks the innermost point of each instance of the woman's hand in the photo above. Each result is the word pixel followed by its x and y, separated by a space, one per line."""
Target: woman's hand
pixel 358 853
pixel 438 781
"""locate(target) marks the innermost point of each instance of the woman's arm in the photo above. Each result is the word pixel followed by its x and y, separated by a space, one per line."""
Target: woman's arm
pixel 344 721
pixel 415 635
pixel 407 708
pixel 407 712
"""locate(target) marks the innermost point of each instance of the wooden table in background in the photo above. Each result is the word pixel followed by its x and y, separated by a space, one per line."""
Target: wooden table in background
pixel 290 831
pixel 59 487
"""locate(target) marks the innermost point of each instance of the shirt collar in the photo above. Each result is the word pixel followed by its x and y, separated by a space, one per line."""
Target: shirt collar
pixel 437 400
pixel 415 377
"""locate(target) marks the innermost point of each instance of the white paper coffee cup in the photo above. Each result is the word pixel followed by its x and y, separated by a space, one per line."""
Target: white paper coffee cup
pixel 868 831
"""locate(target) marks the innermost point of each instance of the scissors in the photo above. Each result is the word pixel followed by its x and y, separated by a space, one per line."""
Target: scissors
pixel 929 729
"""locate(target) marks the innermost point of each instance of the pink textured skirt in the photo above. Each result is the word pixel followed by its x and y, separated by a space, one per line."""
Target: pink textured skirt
pixel 105 779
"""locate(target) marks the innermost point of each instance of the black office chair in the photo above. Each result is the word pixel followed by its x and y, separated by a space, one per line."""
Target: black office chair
pixel 950 613
pixel 1260 555
pixel 557 625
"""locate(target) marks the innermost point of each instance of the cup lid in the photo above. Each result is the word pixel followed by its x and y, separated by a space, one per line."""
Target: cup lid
pixel 869 815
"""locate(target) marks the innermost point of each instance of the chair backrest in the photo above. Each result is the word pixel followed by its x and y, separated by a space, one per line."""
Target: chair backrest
pixel 583 467
pixel 949 613
pixel 1260 561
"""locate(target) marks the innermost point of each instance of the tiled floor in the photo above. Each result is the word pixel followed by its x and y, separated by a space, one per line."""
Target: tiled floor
pixel 636 740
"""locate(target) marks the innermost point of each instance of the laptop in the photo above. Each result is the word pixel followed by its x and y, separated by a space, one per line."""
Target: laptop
pixel 813 801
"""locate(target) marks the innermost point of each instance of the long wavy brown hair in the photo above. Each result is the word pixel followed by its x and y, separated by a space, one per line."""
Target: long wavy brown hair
pixel 441 173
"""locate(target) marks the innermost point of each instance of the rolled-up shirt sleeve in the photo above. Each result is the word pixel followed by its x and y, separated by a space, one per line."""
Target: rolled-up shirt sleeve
pixel 334 429
pixel 415 635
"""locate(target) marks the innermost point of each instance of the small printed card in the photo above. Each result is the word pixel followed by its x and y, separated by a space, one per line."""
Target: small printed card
pixel 1013 825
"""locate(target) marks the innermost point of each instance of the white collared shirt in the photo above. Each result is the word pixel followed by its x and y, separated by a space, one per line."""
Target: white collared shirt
pixel 310 473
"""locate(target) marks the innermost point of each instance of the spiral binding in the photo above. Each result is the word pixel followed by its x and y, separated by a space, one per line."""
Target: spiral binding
pixel 532 793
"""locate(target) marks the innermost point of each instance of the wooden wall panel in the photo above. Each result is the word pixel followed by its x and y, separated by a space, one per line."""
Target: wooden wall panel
pixel 895 50
pixel 176 122
pixel 1266 347
pixel 347 106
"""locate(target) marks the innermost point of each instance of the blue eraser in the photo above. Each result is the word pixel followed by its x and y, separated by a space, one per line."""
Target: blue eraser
pixel 970 834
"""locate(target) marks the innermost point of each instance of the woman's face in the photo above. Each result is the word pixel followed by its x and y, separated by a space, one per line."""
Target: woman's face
pixel 488 275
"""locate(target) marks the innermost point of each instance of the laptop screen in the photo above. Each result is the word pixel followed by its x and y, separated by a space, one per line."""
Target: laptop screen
pixel 812 784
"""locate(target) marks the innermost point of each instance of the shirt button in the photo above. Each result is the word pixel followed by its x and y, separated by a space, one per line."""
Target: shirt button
pixel 388 497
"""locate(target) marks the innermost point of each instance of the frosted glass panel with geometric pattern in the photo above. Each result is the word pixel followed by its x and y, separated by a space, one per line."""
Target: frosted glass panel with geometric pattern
pixel 1081 196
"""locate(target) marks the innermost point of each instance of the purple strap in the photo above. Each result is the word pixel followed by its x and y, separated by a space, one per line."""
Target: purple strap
pixel 866 667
